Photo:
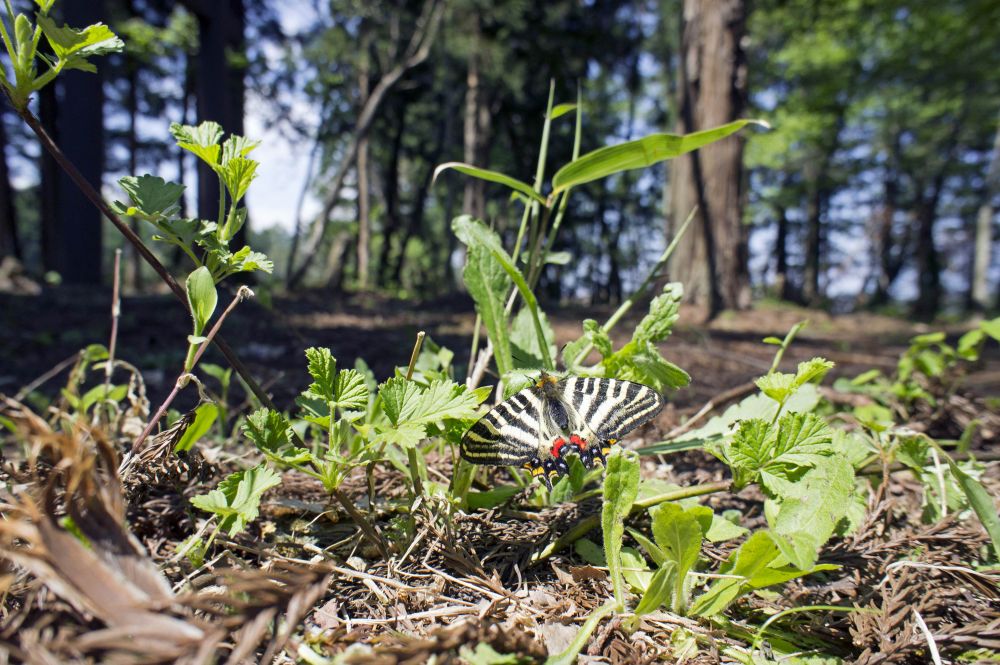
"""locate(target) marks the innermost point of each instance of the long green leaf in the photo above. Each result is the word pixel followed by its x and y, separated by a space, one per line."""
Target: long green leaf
pixel 638 154
pixel 981 502
pixel 621 486
pixel 491 176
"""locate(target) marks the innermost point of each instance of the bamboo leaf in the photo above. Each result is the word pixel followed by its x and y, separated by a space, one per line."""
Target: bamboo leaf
pixel 491 176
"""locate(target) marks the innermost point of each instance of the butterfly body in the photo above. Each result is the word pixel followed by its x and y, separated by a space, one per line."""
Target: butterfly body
pixel 538 426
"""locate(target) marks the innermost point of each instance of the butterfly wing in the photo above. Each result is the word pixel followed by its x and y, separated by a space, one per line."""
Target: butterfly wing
pixel 509 434
pixel 611 408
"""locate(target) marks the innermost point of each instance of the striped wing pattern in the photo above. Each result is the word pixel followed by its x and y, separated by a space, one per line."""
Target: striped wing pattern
pixel 509 434
pixel 612 408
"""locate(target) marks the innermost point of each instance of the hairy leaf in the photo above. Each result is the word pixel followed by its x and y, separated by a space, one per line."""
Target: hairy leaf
pixel 237 500
pixel 621 485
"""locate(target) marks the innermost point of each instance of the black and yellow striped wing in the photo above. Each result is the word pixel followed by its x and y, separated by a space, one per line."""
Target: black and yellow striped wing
pixel 611 408
pixel 509 434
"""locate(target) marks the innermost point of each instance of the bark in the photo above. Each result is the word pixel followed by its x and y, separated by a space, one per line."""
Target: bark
pixel 979 295
pixel 927 259
pixel 74 246
pixel 49 174
pixel 785 289
pixel 364 223
pixel 416 53
pixel 475 135
pixel 890 251
pixel 10 243
pixel 814 240
pixel 390 194
pixel 712 258
pixel 220 88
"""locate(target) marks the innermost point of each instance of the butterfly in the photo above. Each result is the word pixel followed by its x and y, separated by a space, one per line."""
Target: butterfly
pixel 538 426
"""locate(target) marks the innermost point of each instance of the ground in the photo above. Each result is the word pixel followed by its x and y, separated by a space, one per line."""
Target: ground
pixel 472 580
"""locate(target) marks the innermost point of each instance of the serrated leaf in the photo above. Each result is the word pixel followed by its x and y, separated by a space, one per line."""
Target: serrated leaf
pixel 322 367
pixel 809 517
pixel 152 197
pixel 395 394
pixel 777 385
pixel 237 174
pixel 202 297
pixel 247 260
pixel 201 140
pixel 74 47
pixel 768 453
pixel 664 311
pixel 350 393
pixel 237 146
pixel 441 400
pixel 268 430
pixel 404 435
pixel 811 371
pixel 236 502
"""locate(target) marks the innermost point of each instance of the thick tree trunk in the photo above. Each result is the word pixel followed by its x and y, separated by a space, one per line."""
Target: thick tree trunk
pixel 74 246
pixel 814 241
pixel 49 187
pixel 220 88
pixel 785 289
pixel 10 243
pixel 983 244
pixel 364 221
pixel 390 193
pixel 712 258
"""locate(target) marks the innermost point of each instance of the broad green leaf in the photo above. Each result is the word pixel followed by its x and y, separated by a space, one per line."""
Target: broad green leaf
pixel 268 430
pixel 152 197
pixel 722 530
pixel 101 394
pixel 981 502
pixel 968 344
pixel 635 570
pixel 474 233
pixel 491 176
pixel 488 283
pixel 491 498
pixel 991 328
pixel 404 435
pixel 659 590
pixel 637 154
pixel 204 418
pixel 237 500
pixel 74 47
pixel 621 485
pixel 760 451
pixel 322 368
pixel 590 552
pixel 678 533
pixel 652 550
pixel 643 363
pixel 442 399
pixel 809 517
pixel 201 140
pixel 751 558
pixel 593 335
pixel 202 297
pixel 247 260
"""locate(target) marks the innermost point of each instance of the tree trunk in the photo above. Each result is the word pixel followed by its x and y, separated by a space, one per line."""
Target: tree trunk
pixel 75 246
pixel 784 289
pixel 364 223
pixel 133 260
pixel 814 240
pixel 220 88
pixel 475 137
pixel 10 243
pixel 49 174
pixel 928 261
pixel 712 258
pixel 390 193
pixel 983 245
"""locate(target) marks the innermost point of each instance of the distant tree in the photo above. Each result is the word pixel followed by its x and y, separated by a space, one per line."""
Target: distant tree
pixel 10 241
pixel 712 258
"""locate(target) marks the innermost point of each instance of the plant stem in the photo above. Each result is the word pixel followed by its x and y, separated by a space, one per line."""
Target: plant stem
pixel 366 527
pixel 638 293
pixel 140 247
pixel 411 453
pixel 581 528
pixel 116 310
pixel 785 343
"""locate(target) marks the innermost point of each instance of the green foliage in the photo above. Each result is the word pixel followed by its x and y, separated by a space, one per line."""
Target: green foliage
pixel 237 500
pixel 621 486
pixel 72 48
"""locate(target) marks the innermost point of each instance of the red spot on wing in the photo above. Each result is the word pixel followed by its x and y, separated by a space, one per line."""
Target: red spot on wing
pixel 581 444
pixel 557 446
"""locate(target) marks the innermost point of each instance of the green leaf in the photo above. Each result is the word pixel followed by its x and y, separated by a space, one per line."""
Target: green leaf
pixel 350 393
pixel 488 283
pixel 991 328
pixel 491 498
pixel 404 435
pixel 247 260
pixel 638 154
pixel 811 371
pixel 237 146
pixel 809 517
pixel 660 589
pixel 443 399
pixel 237 500
pixel 635 570
pixel 474 233
pixel 777 385
pixel 322 367
pixel 621 485
pixel 525 351
pixel 204 418
pixel 152 197
pixel 981 502
pixel 491 176
pixel 237 174
pixel 560 110
pixel 74 47
pixel 664 311
pixel 201 140
pixel 268 430
pixel 678 533
pixel 751 558
pixel 770 454
pixel 968 344
pixel 722 530
pixel 396 393
pixel 202 297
